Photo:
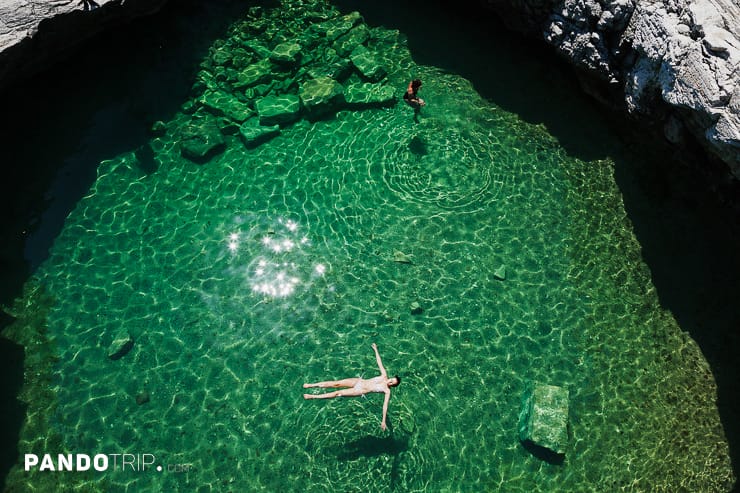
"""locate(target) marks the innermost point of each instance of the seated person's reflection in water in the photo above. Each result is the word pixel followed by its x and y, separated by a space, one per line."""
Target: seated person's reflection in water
pixel 355 387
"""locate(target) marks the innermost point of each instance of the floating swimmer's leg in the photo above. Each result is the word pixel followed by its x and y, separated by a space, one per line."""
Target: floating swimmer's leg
pixel 347 382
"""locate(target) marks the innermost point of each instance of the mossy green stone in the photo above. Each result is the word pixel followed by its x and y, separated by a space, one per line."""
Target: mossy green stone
pixel 369 94
pixel 254 134
pixel 224 104
pixel 256 73
pixel 544 417
pixel 351 40
pixel 286 53
pixel 321 95
pixel 334 28
pixel 201 140
pixel 278 109
pixel 367 64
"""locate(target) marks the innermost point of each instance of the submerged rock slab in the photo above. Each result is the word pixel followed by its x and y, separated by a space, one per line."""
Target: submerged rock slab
pixel 278 109
pixel 121 345
pixel 286 53
pixel 543 420
pixel 369 94
pixel 334 28
pixel 255 73
pixel 254 134
pixel 367 64
pixel 321 96
pixel 222 103
pixel 201 140
pixel 348 42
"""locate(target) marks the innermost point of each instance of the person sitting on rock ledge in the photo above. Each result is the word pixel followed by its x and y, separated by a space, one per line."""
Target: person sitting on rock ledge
pixel 412 99
pixel 356 387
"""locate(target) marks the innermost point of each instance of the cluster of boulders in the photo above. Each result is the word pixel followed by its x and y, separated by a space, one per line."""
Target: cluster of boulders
pixel 675 62
pixel 257 81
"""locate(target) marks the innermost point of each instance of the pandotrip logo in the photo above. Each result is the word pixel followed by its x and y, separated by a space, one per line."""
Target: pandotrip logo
pixel 136 463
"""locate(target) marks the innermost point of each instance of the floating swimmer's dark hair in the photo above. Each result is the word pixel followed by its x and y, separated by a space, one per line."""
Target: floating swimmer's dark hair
pixel 416 83
pixel 398 381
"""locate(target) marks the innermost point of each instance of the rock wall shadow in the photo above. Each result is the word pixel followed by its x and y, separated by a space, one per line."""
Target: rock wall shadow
pixel 690 235
pixel 690 238
pixel 99 101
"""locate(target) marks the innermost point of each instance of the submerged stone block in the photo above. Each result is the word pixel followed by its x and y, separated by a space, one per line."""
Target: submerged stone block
pixel 256 73
pixel 334 67
pixel 543 420
pixel 322 95
pixel 201 140
pixel 121 345
pixel 286 53
pixel 367 64
pixel 334 28
pixel 254 134
pixel 278 109
pixel 368 94
pixel 351 40
pixel 221 103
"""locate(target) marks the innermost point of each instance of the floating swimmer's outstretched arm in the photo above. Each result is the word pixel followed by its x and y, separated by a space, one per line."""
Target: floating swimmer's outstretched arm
pixel 383 426
pixel 380 365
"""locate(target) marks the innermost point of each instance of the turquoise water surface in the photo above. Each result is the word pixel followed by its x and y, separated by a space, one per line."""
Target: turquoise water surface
pixel 263 265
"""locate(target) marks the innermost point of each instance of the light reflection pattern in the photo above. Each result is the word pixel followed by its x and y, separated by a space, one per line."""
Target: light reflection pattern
pixel 278 269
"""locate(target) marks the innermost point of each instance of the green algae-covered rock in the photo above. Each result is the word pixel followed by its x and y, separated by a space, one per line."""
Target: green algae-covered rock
pixel 201 140
pixel 321 95
pixel 336 27
pixel 121 345
pixel 368 94
pixel 278 109
pixel 254 134
pixel 351 40
pixel 286 53
pixel 221 103
pixel 367 64
pixel 331 65
pixel 256 73
pixel 221 56
pixel 543 420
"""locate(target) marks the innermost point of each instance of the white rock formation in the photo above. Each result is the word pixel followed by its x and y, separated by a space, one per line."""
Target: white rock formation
pixel 673 60
pixel 34 32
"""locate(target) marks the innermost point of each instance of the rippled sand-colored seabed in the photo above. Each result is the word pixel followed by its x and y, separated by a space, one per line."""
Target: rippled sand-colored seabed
pixel 244 276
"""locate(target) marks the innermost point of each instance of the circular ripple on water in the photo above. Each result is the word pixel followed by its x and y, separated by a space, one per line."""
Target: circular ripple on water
pixel 452 171
pixel 449 157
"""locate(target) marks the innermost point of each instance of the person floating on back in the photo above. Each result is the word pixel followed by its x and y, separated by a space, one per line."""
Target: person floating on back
pixel 412 99
pixel 358 386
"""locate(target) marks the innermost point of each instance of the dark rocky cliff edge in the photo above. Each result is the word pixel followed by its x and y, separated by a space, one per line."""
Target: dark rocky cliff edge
pixel 35 33
pixel 672 62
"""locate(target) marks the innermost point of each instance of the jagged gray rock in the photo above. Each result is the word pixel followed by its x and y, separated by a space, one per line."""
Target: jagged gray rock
pixel 675 61
pixel 27 45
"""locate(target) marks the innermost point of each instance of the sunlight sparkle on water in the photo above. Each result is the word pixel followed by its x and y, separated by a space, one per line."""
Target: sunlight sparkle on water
pixel 280 266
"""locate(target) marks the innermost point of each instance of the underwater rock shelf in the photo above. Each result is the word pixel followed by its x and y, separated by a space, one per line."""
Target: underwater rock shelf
pixel 257 82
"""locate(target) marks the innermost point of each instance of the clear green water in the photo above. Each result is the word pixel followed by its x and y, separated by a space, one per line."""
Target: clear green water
pixel 245 276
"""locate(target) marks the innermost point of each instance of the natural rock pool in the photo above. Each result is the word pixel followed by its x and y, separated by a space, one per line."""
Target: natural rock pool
pixel 477 251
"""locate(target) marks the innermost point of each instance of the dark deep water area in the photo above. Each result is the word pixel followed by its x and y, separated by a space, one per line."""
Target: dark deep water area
pixel 102 101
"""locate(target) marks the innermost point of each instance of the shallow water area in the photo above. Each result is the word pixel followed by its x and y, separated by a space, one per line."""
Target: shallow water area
pixel 245 271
